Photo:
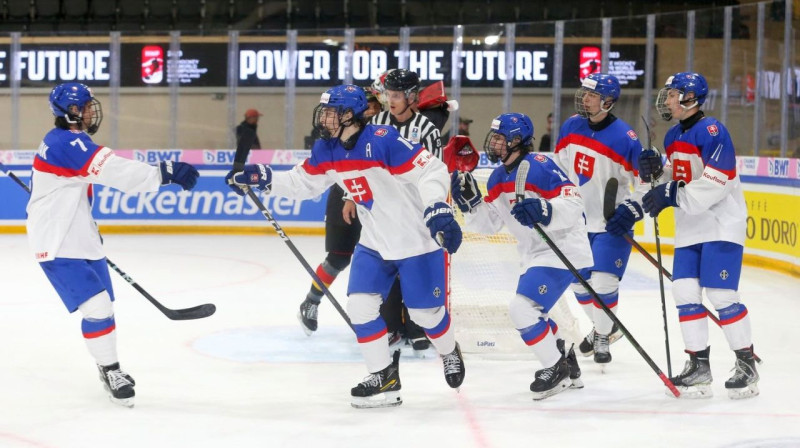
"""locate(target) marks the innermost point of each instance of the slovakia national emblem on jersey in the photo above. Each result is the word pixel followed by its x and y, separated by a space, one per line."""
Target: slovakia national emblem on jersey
pixel 584 167
pixel 359 191
pixel 713 130
pixel 633 135
pixel 381 132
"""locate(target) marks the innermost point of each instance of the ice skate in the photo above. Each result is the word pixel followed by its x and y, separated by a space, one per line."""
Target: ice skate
pixel 454 367
pixel 420 346
pixel 395 340
pixel 695 380
pixel 572 362
pixel 586 346
pixel 308 316
pixel 551 380
pixel 744 382
pixel 118 384
pixel 601 353
pixel 379 389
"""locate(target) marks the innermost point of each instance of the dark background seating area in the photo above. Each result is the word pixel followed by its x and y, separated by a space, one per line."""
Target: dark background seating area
pixel 204 16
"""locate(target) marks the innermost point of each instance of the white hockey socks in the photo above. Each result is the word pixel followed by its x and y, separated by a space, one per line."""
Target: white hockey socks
pixel 736 326
pixel 370 328
pixel 694 326
pixel 99 329
pixel 436 323
pixel 535 329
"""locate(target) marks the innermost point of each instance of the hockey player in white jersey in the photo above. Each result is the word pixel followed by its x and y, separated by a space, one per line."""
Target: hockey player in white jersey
pixel 400 190
pixel 553 202
pixel 594 146
pixel 62 232
pixel 702 185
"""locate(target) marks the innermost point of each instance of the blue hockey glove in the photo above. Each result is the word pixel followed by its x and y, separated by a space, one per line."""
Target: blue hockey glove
pixel 465 191
pixel 444 228
pixel 661 197
pixel 253 176
pixel 627 213
pixel 531 211
pixel 650 165
pixel 179 173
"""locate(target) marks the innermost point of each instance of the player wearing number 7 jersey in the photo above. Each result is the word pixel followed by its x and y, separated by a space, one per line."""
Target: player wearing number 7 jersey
pixel 400 191
pixel 62 232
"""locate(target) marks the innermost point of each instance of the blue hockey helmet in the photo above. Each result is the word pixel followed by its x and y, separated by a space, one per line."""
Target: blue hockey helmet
pixel 69 101
pixel 344 98
pixel 685 83
pixel 605 85
pixel 517 130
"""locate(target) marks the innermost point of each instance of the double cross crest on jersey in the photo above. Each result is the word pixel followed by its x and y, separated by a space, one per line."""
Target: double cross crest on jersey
pixel 584 167
pixel 359 191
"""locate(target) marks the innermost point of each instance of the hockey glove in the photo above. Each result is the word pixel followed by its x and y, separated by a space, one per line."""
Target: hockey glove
pixel 179 173
pixel 444 228
pixel 624 217
pixel 531 211
pixel 253 176
pixel 661 197
pixel 650 165
pixel 465 191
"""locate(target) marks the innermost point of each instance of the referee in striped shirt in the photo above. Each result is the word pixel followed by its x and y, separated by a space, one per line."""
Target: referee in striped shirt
pixel 402 90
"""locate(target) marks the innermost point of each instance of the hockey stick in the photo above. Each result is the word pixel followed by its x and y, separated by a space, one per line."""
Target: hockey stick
pixel 609 209
pixel 238 165
pixel 195 312
pixel 519 188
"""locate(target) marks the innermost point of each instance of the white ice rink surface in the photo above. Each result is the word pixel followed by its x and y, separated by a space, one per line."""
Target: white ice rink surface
pixel 249 377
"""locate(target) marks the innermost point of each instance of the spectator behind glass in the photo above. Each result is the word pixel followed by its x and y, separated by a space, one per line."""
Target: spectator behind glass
pixel 544 144
pixel 248 127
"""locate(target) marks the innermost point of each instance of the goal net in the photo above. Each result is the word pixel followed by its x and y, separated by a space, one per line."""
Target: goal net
pixel 483 279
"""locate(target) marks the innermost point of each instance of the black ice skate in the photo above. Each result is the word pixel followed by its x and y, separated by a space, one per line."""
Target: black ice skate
pixel 572 362
pixel 118 384
pixel 308 316
pixel 586 346
pixel 551 380
pixel 379 389
pixel 601 353
pixel 695 380
pixel 454 367
pixel 420 346
pixel 744 382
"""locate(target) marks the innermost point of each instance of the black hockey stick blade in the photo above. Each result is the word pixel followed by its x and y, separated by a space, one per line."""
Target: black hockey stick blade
pixel 610 198
pixel 195 312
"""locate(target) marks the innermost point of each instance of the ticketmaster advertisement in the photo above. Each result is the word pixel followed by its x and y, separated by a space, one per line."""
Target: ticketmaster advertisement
pixel 210 203
pixel 772 193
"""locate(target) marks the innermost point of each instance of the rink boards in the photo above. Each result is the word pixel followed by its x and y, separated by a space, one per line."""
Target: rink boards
pixel 772 193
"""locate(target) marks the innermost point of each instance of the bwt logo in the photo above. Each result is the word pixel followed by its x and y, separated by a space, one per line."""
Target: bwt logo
pixel 155 156
pixel 778 167
pixel 218 157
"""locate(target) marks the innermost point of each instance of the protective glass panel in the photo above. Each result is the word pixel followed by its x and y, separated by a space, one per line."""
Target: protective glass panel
pixel 261 81
pixel 534 50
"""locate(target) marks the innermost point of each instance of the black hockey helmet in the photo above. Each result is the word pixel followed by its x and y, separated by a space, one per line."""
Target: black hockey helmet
pixel 402 80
